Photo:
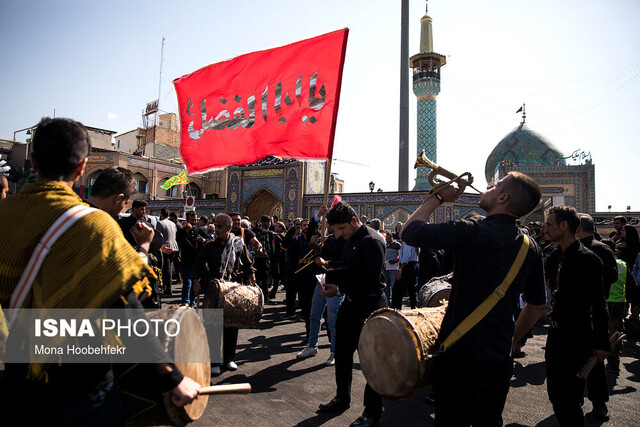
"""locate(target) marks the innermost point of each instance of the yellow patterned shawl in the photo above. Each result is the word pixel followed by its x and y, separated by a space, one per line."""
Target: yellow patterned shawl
pixel 90 266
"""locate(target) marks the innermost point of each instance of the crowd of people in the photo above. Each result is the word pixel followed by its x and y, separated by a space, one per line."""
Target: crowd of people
pixel 335 266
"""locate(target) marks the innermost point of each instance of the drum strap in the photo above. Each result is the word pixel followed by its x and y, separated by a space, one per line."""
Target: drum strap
pixel 62 224
pixel 483 309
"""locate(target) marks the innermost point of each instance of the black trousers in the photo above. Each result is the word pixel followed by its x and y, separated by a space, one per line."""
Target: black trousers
pixel 468 391
pixel 167 263
pixel 597 388
pixel 306 287
pixel 275 278
pixel 351 317
pixel 262 274
pixel 565 354
pixel 229 343
pixel 406 282
pixel 292 289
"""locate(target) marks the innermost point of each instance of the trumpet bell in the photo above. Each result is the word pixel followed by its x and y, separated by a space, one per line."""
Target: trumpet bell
pixel 423 161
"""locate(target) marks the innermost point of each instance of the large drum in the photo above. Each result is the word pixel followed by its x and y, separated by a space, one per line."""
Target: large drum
pixel 434 293
pixel 394 347
pixel 144 404
pixel 242 304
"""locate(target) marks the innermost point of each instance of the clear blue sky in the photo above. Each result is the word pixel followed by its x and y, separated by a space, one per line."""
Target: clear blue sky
pixel 576 64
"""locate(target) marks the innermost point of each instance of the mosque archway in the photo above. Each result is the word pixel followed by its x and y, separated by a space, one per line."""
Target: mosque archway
pixel 161 192
pixel 390 220
pixel 263 202
pixel 142 183
pixel 194 190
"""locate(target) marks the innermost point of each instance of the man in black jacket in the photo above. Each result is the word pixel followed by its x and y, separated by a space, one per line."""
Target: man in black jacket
pixel 190 239
pixel 578 315
pixel 471 379
pixel 598 391
pixel 361 280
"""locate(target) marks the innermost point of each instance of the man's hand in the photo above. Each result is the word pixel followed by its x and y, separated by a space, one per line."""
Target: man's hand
pixel 329 290
pixel 321 262
pixel 196 287
pixel 143 234
pixel 185 392
pixel 323 211
pixel 449 193
pixel 165 249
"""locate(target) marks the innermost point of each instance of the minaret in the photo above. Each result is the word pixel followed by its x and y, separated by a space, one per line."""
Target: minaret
pixel 426 86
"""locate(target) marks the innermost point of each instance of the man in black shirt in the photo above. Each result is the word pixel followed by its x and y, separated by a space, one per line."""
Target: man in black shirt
pixel 361 280
pixel 277 265
pixel 578 315
pixel 471 379
pixel 247 235
pixel 190 239
pixel 111 190
pixel 262 260
pixel 138 210
pixel 598 390
pixel 226 257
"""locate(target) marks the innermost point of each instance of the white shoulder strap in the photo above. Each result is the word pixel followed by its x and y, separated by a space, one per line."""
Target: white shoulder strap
pixel 43 247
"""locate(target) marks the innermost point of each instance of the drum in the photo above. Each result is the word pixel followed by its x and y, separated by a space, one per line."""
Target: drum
pixel 434 293
pixel 394 347
pixel 242 304
pixel 143 402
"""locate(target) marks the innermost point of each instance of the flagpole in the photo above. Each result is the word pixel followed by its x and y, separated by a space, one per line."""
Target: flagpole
pixel 332 134
pixel 327 181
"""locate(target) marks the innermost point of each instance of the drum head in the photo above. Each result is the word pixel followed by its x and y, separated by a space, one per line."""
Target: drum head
pixel 434 293
pixel 192 346
pixel 144 403
pixel 390 354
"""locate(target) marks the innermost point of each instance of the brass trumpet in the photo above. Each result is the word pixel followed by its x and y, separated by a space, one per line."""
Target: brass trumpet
pixel 464 180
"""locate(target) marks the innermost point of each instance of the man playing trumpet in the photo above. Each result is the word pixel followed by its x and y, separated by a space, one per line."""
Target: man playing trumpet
pixel 471 379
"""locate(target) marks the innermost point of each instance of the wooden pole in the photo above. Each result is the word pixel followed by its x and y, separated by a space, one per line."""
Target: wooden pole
pixel 327 181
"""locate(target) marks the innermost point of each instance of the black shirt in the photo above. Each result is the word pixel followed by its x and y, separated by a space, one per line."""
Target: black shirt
pixel 575 279
pixel 484 251
pixel 189 245
pixel 247 236
pixel 362 271
pixel 126 223
pixel 609 264
pixel 209 261
pixel 332 250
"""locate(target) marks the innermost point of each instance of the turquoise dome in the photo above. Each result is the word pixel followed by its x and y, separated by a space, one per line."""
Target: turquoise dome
pixel 523 147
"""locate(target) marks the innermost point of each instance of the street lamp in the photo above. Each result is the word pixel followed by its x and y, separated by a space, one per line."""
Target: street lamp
pixel 27 161
pixel 372 185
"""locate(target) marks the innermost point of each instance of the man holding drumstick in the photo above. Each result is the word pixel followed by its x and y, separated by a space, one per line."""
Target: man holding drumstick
pixel 471 379
pixel 91 265
pixel 224 258
pixel 361 280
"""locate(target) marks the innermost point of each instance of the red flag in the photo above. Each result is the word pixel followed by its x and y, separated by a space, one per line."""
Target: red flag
pixel 281 102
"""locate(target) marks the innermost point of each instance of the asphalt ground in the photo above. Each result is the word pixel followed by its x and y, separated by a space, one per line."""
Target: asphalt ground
pixel 286 391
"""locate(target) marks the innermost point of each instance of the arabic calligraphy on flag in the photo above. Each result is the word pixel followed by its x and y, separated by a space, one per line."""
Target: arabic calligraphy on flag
pixel 281 102
pixel 181 178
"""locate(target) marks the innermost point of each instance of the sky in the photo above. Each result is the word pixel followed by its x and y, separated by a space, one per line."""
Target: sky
pixel 576 65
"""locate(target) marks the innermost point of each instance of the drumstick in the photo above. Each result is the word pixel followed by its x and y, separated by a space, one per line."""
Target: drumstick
pixel 242 388
pixel 615 339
